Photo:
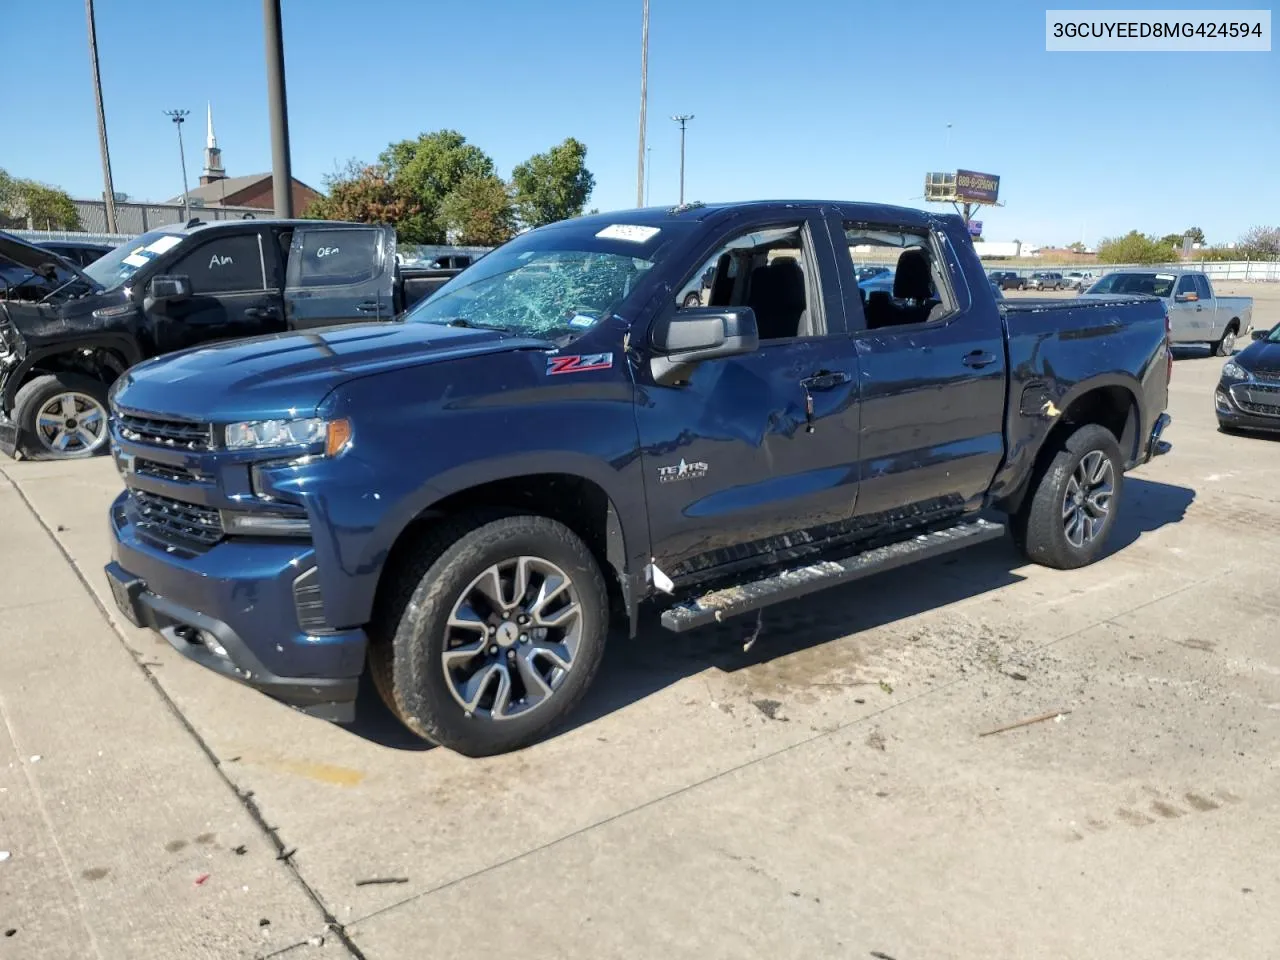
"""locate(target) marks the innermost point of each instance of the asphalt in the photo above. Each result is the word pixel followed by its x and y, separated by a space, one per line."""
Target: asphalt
pixel 829 793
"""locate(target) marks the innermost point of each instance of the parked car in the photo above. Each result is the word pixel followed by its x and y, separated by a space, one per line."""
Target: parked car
pixel 1045 280
pixel 72 331
pixel 870 273
pixel 1196 313
pixel 1248 393
pixel 462 500
pixel 80 252
pixel 1008 279
pixel 1075 280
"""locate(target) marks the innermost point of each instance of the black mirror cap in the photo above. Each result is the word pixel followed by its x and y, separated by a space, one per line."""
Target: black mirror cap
pixel 169 288
pixel 683 338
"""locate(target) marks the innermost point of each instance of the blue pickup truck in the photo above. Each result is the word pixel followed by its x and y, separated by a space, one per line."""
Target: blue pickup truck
pixel 463 500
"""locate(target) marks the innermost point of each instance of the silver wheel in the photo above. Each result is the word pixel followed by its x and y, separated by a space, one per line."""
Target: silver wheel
pixel 71 423
pixel 1086 504
pixel 512 638
pixel 1228 345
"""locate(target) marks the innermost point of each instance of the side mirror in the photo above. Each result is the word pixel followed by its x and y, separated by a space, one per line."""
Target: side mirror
pixel 689 336
pixel 1260 334
pixel 169 288
pixel 1186 298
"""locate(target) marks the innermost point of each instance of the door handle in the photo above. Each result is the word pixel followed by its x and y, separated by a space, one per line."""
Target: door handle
pixel 260 313
pixel 825 380
pixel 367 306
pixel 979 359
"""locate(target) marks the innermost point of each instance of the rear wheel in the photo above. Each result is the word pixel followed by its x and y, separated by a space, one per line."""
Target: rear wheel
pixel 492 633
pixel 1227 345
pixel 1068 516
pixel 62 416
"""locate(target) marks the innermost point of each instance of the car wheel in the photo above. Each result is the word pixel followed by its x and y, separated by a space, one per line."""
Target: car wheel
pixel 1069 514
pixel 492 632
pixel 692 300
pixel 1227 345
pixel 62 416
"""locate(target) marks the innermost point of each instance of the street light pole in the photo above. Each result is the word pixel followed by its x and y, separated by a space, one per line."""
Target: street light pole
pixel 648 172
pixel 109 191
pixel 281 168
pixel 644 104
pixel 682 119
pixel 178 116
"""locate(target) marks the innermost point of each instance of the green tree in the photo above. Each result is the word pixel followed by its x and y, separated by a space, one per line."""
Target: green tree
pixel 365 194
pixel 1077 247
pixel 429 169
pixel 46 207
pixel 1135 247
pixel 1195 233
pixel 479 211
pixel 553 186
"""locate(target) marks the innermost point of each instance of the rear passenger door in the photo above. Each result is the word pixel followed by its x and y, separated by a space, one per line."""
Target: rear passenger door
pixel 933 376
pixel 339 274
pixel 232 295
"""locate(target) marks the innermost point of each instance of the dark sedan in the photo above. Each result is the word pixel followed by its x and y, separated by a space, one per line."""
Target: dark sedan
pixel 1248 393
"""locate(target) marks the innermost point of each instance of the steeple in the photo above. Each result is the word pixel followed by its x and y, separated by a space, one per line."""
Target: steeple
pixel 212 156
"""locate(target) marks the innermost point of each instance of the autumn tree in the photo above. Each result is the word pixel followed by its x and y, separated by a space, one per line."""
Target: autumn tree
pixel 1261 242
pixel 553 186
pixel 367 194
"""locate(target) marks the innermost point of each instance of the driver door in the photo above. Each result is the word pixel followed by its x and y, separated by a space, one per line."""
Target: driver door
pixel 754 449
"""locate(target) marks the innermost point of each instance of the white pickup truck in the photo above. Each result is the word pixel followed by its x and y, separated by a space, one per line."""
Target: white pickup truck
pixel 1196 315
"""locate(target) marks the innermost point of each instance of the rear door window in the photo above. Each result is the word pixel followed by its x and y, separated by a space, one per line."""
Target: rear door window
pixel 328 258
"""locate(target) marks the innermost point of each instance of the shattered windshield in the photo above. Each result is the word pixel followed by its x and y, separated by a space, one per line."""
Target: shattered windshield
pixel 118 267
pixel 538 293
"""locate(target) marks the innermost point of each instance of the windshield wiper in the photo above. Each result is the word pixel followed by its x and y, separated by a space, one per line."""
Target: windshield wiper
pixel 464 322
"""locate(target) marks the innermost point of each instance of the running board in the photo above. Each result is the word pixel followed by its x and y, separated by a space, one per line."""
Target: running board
pixel 798 581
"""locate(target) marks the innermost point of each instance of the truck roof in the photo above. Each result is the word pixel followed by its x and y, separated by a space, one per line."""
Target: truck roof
pixel 196 224
pixel 709 211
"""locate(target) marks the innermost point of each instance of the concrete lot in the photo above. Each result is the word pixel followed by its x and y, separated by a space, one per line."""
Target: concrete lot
pixel 827 794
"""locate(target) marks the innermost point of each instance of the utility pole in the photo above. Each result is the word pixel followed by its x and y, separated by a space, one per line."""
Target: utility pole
pixel 109 192
pixel 644 104
pixel 178 116
pixel 682 119
pixel 281 169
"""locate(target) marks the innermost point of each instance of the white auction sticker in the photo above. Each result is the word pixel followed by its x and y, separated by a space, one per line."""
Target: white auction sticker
pixel 137 260
pixel 164 244
pixel 627 231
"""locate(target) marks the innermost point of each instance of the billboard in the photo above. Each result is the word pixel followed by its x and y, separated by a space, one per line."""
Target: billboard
pixel 977 187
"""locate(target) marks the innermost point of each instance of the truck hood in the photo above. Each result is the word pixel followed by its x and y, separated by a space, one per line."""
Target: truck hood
pixel 17 251
pixel 289 374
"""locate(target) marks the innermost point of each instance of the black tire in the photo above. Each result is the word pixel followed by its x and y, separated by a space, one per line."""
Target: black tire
pixel 1039 528
pixel 1226 346
pixel 410 633
pixel 36 394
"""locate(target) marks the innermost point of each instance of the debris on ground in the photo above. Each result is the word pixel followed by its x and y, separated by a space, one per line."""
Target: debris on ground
pixel 11 931
pixel 1015 675
pixel 202 879
pixel 264 922
pixel 886 687
pixel 36 758
pixel 285 855
pixel 859 700
pixel 876 740
pixel 770 709
pixel 880 956
pixel 1056 714
pixel 4 855
pixel 755 634
pixel 371 881
pixel 240 851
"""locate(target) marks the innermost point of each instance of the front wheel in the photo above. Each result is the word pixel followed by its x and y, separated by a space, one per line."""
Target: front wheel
pixel 1069 514
pixel 1227 345
pixel 62 416
pixel 492 633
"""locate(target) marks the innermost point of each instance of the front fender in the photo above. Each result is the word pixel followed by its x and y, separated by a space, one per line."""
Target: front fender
pixel 124 347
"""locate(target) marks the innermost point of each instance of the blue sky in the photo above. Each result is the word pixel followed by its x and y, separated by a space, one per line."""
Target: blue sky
pixel 821 98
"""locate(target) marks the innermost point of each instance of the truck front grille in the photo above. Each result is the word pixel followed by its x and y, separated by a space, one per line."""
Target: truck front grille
pixel 172 520
pixel 179 434
pixel 165 471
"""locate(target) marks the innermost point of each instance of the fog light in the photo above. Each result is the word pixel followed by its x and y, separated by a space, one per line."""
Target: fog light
pixel 1220 400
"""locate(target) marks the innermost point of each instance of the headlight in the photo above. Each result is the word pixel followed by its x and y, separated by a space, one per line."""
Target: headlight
pixel 1233 371
pixel 306 432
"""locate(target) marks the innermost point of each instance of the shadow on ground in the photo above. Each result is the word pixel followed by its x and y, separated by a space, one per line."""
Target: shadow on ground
pixel 656 659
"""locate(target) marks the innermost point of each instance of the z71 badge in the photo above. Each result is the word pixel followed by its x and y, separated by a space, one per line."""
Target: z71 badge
pixel 579 363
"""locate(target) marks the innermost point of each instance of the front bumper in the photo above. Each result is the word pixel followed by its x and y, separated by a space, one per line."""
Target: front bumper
pixel 1248 405
pixel 232 609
